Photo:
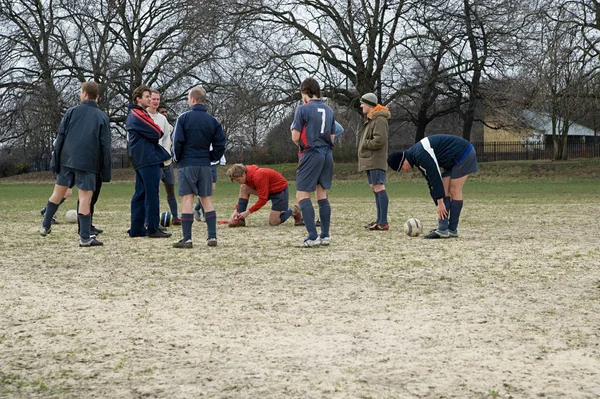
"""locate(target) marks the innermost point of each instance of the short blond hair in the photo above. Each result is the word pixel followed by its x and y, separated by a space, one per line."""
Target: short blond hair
pixel 236 170
pixel 199 94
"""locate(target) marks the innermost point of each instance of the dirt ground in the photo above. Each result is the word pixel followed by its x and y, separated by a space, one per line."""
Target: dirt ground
pixel 510 309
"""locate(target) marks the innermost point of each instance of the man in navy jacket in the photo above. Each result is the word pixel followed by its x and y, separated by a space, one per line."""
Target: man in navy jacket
pixel 81 156
pixel 195 131
pixel 445 161
pixel 147 157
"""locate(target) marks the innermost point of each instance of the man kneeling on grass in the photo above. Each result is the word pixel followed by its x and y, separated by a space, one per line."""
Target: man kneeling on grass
pixel 267 184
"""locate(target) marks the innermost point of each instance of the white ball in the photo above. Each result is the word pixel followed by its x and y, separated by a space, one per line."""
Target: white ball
pixel 413 227
pixel 71 216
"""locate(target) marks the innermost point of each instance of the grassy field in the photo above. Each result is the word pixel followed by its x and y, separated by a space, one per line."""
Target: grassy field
pixel 510 309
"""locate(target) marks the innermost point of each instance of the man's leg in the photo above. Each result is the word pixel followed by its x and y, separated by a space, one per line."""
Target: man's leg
pixel 151 175
pixel 443 223
pixel 84 215
pixel 138 213
pixel 52 206
pixel 324 211
pixel 187 219
pixel 211 220
pixel 442 230
pixel 382 202
pixel 95 195
pixel 308 214
pixel 456 203
pixel 172 201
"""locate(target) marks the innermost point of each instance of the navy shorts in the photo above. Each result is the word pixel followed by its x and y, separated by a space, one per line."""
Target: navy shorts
pixel 280 200
pixel 376 176
pixel 214 173
pixel 465 166
pixel 74 177
pixel 195 180
pixel 167 174
pixel 314 168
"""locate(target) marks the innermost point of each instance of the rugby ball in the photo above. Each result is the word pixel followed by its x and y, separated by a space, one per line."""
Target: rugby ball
pixel 413 227
pixel 166 218
pixel 71 216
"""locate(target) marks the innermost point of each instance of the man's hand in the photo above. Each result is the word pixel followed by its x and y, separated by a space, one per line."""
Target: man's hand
pixel 243 215
pixel 441 209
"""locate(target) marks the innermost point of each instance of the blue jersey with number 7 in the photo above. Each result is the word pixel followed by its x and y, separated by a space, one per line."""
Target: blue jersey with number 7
pixel 316 123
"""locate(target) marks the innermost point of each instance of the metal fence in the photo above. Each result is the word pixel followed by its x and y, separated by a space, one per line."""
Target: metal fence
pixel 513 151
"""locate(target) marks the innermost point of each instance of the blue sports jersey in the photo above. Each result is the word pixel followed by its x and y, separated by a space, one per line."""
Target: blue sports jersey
pixel 316 123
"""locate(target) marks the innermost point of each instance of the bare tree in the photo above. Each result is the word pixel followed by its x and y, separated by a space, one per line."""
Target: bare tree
pixel 30 83
pixel 344 44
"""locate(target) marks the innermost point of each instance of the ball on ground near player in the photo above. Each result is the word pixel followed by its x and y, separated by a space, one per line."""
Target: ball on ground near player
pixel 166 218
pixel 71 216
pixel 413 227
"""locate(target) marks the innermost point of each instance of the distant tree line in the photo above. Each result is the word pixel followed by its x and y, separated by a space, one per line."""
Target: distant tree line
pixel 473 61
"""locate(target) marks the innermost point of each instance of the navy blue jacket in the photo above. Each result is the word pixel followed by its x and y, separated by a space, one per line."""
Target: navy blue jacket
pixel 142 139
pixel 434 152
pixel 195 130
pixel 84 141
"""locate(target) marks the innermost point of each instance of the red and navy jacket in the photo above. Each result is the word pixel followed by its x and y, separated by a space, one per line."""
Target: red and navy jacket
pixel 316 123
pixel 142 139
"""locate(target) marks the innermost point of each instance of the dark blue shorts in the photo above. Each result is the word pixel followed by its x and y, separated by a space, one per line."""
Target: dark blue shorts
pixel 73 177
pixel 466 165
pixel 280 200
pixel 195 180
pixel 214 173
pixel 314 168
pixel 167 174
pixel 376 176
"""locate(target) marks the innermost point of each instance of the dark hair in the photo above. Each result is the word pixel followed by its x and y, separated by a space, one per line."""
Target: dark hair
pixel 161 106
pixel 310 87
pixel 91 88
pixel 139 92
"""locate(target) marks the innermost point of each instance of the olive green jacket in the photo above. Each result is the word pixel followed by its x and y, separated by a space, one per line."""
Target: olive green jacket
pixel 373 145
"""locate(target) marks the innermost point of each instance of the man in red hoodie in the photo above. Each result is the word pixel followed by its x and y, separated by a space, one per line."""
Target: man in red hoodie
pixel 267 184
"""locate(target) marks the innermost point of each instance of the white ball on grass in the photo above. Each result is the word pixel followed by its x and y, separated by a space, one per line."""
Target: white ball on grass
pixel 413 227
pixel 71 216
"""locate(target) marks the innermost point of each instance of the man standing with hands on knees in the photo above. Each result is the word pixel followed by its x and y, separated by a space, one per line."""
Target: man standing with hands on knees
pixel 195 131
pixel 445 161
pixel 81 155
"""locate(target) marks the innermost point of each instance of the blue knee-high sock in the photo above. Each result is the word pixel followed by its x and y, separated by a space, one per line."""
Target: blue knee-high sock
pixel 186 225
pixel 383 206
pixel 242 204
pixel 211 223
pixel 455 209
pixel 51 209
pixel 443 223
pixel 172 201
pixel 85 225
pixel 325 215
pixel 308 213
pixel 285 215
pixel 378 207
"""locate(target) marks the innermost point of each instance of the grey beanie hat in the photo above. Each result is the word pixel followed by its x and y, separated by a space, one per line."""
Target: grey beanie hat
pixel 369 99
